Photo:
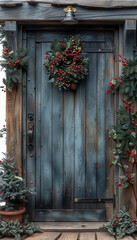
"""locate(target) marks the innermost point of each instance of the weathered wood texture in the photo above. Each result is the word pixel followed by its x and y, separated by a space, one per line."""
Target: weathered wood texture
pixel 44 236
pixel 87 236
pixel 70 131
pixel 126 238
pixel 14 105
pixel 127 196
pixel 73 236
pixel 82 227
pixel 47 12
pixel 69 215
pixel 89 3
pixel 69 236
pixel 104 236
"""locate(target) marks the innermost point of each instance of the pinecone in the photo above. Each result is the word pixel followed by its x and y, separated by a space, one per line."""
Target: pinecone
pixel 58 54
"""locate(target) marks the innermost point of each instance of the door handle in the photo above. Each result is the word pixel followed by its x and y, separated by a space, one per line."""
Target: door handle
pixel 30 135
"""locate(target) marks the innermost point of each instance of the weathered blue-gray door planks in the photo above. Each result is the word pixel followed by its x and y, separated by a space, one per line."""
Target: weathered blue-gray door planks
pixel 69 158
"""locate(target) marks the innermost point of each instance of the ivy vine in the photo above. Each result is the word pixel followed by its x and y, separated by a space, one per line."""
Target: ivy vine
pixel 124 133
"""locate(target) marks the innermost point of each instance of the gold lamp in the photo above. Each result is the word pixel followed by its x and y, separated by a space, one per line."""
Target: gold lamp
pixel 69 18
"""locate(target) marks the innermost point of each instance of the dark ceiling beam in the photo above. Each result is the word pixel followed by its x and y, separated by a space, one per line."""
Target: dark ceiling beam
pixel 83 3
pixel 50 13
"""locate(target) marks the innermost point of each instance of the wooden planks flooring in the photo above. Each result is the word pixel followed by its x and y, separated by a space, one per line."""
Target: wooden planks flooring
pixel 74 236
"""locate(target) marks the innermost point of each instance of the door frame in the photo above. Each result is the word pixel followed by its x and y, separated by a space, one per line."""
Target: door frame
pixel 123 32
pixel 30 157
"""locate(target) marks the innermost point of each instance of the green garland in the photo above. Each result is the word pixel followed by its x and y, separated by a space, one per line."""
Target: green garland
pixel 127 82
pixel 12 62
pixel 121 224
pixel 15 229
pixel 66 62
pixel 124 133
pixel 12 65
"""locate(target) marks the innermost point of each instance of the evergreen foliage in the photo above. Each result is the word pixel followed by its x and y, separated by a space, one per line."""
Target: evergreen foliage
pixel 15 229
pixel 12 188
pixel 127 82
pixel 124 132
pixel 121 224
pixel 3 131
pixel 66 62
pixel 3 39
pixel 12 64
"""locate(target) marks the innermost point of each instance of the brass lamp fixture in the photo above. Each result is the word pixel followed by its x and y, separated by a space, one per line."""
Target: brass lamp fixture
pixel 70 17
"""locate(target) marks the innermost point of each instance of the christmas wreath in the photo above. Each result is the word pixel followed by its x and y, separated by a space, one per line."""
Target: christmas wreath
pixel 66 63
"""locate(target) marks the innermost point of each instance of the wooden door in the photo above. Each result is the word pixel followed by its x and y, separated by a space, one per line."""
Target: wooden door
pixel 69 161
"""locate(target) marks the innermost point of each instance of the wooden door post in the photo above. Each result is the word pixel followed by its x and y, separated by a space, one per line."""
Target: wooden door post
pixel 127 197
pixel 14 105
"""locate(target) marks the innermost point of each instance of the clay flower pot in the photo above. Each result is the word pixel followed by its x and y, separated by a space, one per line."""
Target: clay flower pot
pixel 14 215
pixel 73 86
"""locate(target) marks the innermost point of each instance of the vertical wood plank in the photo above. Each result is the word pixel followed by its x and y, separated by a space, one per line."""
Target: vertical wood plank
pixel 80 143
pixel 91 128
pixel 69 146
pixel 31 109
pixel 14 105
pixel 109 114
pixel 101 158
pixel 57 147
pixel 39 67
pixel 24 115
pixel 46 135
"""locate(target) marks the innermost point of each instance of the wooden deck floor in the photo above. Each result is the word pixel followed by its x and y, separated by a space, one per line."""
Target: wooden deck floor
pixel 74 236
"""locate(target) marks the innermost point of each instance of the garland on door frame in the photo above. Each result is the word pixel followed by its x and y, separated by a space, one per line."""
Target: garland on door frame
pixel 66 62
pixel 125 137
pixel 124 133
pixel 12 63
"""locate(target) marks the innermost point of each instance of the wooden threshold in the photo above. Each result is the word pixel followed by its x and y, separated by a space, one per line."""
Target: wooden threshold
pixel 70 226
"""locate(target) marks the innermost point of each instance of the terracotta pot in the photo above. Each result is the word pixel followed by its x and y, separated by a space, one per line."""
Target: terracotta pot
pixel 14 215
pixel 73 86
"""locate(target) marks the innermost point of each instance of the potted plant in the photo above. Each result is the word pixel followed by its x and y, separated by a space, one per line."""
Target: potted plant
pixel 66 63
pixel 12 191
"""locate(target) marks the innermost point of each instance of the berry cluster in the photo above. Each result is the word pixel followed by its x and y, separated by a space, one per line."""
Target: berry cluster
pixel 12 64
pixel 11 60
